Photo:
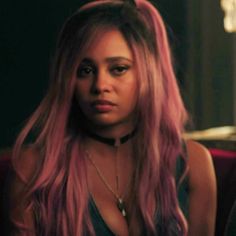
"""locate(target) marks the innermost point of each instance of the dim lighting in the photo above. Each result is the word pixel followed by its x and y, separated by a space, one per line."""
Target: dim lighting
pixel 229 7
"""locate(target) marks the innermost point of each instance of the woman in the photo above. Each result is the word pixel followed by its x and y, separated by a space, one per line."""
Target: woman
pixel 108 136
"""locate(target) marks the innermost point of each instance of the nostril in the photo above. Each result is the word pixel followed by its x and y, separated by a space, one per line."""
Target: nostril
pixel 100 84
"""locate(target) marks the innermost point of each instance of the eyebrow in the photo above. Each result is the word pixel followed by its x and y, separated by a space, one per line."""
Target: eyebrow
pixel 108 59
pixel 115 59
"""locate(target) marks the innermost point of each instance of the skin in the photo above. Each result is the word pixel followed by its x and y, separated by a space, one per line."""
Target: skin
pixel 202 184
pixel 97 80
pixel 108 72
pixel 202 187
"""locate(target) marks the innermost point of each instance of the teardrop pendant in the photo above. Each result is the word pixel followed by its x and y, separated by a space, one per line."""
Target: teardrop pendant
pixel 121 206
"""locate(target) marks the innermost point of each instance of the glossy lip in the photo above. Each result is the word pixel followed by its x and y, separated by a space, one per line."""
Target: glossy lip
pixel 102 105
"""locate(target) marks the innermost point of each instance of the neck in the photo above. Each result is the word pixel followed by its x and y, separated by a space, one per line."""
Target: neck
pixel 104 142
pixel 110 131
pixel 116 142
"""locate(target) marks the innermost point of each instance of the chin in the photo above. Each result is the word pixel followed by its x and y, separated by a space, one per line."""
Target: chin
pixel 109 120
pixel 104 122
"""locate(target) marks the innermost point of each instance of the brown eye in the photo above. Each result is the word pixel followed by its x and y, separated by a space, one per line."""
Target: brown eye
pixel 85 71
pixel 119 70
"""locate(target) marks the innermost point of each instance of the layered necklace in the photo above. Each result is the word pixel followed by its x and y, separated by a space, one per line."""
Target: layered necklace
pixel 116 143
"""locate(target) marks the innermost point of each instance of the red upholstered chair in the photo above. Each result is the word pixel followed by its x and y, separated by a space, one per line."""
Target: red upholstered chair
pixel 225 168
pixel 231 222
pixel 5 157
pixel 5 164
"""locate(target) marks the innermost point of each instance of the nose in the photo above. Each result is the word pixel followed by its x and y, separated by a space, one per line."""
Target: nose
pixel 101 82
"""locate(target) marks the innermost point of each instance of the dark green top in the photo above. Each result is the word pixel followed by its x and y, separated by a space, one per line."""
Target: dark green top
pixel 101 228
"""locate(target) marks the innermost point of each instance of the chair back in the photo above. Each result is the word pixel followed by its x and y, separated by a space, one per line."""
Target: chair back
pixel 225 168
pixel 5 164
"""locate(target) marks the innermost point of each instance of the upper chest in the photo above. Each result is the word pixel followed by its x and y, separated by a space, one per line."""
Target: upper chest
pixel 106 183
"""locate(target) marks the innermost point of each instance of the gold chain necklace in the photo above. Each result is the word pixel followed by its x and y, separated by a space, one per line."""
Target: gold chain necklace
pixel 120 202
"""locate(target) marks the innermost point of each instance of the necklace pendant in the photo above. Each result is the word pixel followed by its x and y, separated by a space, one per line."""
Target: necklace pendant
pixel 121 206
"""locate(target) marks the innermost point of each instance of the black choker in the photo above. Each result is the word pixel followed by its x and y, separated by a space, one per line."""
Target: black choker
pixel 112 141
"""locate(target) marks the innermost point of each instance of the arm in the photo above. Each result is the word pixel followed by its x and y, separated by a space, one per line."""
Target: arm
pixel 202 184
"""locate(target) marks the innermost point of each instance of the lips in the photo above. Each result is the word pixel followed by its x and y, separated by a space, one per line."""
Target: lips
pixel 102 102
pixel 102 105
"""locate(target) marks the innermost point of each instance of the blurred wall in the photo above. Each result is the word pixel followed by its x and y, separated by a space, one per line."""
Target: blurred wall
pixel 210 71
pixel 28 31
pixel 202 52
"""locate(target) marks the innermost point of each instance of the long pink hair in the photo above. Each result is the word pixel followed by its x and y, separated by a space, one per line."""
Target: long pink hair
pixel 57 193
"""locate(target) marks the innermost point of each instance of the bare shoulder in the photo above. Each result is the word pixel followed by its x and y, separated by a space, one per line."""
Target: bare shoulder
pixel 200 161
pixel 197 150
pixel 201 169
pixel 202 186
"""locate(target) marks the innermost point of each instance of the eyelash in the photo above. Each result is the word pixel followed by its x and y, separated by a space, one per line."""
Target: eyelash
pixel 82 69
pixel 119 70
pixel 116 70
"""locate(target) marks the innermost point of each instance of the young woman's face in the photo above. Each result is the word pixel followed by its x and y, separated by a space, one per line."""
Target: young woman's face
pixel 106 88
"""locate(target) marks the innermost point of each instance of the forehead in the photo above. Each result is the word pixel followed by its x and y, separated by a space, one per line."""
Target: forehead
pixel 110 43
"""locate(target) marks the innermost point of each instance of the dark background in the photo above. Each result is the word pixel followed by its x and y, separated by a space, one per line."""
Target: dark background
pixel 203 58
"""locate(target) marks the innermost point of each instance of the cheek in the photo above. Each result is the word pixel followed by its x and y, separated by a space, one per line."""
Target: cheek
pixel 79 94
pixel 132 94
pixel 134 88
pixel 81 97
pixel 81 91
pixel 81 103
pixel 134 100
